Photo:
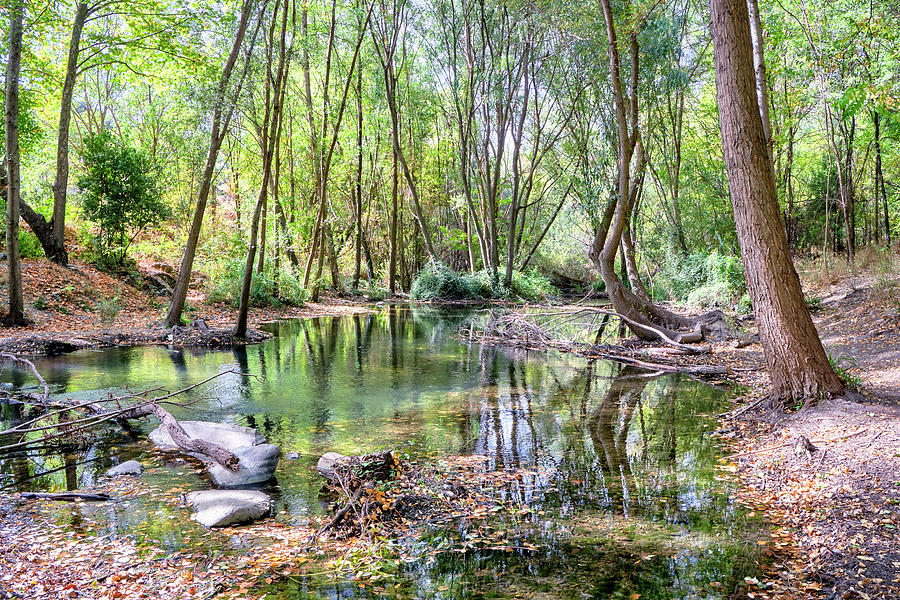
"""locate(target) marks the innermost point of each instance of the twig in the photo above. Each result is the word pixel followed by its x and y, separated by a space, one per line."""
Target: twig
pixel 30 365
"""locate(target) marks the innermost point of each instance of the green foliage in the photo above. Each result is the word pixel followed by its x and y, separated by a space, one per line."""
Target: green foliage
pixel 227 287
pixel 701 279
pixel 438 282
pixel 843 366
pixel 813 303
pixel 531 285
pixel 744 306
pixel 29 246
pixel 119 193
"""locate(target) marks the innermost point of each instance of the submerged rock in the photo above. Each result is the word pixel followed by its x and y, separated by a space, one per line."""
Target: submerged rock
pixel 257 459
pixel 129 467
pixel 219 508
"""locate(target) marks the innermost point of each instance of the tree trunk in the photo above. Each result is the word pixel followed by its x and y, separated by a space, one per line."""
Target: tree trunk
pixel 880 191
pixel 16 315
pixel 61 183
pixel 798 366
pixel 759 68
pixel 219 129
pixel 271 119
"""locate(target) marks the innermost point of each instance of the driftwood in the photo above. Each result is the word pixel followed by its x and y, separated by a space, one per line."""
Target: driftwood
pixel 353 476
pixel 67 496
pixel 182 439
pixel 349 471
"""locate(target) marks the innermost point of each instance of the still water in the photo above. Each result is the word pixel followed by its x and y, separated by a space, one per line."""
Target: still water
pixel 625 497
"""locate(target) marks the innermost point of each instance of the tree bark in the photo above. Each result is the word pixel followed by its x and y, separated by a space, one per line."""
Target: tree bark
pixel 16 315
pixel 797 364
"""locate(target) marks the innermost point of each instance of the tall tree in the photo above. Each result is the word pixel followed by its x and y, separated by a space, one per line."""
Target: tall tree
pixel 798 366
pixel 271 120
pixel 16 315
pixel 223 110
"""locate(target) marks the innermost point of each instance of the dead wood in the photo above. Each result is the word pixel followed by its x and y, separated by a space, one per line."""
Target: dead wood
pixel 67 496
pixel 350 471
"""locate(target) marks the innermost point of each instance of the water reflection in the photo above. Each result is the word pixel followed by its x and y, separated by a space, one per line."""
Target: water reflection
pixel 618 463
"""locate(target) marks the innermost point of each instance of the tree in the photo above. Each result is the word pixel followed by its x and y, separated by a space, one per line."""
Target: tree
pixel 798 366
pixel 223 110
pixel 120 193
pixel 16 315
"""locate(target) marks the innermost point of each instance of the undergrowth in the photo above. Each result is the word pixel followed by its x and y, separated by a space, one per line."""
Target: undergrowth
pixel 438 282
pixel 263 293
pixel 702 280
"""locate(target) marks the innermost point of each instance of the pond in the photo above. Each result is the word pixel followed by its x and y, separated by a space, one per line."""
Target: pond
pixel 626 501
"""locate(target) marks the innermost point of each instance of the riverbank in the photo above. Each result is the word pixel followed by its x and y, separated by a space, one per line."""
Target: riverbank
pixel 835 501
pixel 80 307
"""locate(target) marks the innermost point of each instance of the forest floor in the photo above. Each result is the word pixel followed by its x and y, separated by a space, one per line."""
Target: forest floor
pixel 81 307
pixel 836 509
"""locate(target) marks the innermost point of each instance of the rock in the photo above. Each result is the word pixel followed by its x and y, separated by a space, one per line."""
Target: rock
pixel 292 455
pixel 257 459
pixel 129 467
pixel 257 464
pixel 219 508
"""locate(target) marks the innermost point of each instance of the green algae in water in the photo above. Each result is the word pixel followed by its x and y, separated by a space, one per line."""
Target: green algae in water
pixel 622 491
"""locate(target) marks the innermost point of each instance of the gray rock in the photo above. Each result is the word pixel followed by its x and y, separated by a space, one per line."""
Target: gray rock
pixel 257 464
pixel 292 455
pixel 129 467
pixel 220 508
pixel 257 459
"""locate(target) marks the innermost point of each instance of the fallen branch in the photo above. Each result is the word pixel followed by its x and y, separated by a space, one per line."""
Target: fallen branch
pixel 66 496
pixel 24 361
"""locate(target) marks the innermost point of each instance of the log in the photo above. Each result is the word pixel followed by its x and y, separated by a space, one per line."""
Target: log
pixel 199 446
pixel 66 496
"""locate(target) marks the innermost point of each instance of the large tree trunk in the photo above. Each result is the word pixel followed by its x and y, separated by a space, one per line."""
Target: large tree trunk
pixel 219 129
pixel 16 314
pixel 797 363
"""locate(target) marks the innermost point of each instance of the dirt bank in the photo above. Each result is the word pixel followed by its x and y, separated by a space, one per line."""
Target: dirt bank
pixel 835 504
pixel 80 307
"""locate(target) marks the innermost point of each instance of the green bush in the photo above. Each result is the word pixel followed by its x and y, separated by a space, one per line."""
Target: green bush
pixel 29 246
pixel 109 310
pixel 701 279
pixel 531 285
pixel 227 287
pixel 120 193
pixel 438 282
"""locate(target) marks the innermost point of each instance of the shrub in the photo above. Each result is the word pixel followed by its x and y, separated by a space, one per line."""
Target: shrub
pixel 29 246
pixel 711 295
pixel 227 287
pixel 440 282
pixel 119 193
pixel 701 279
pixel 109 310
pixel 531 285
